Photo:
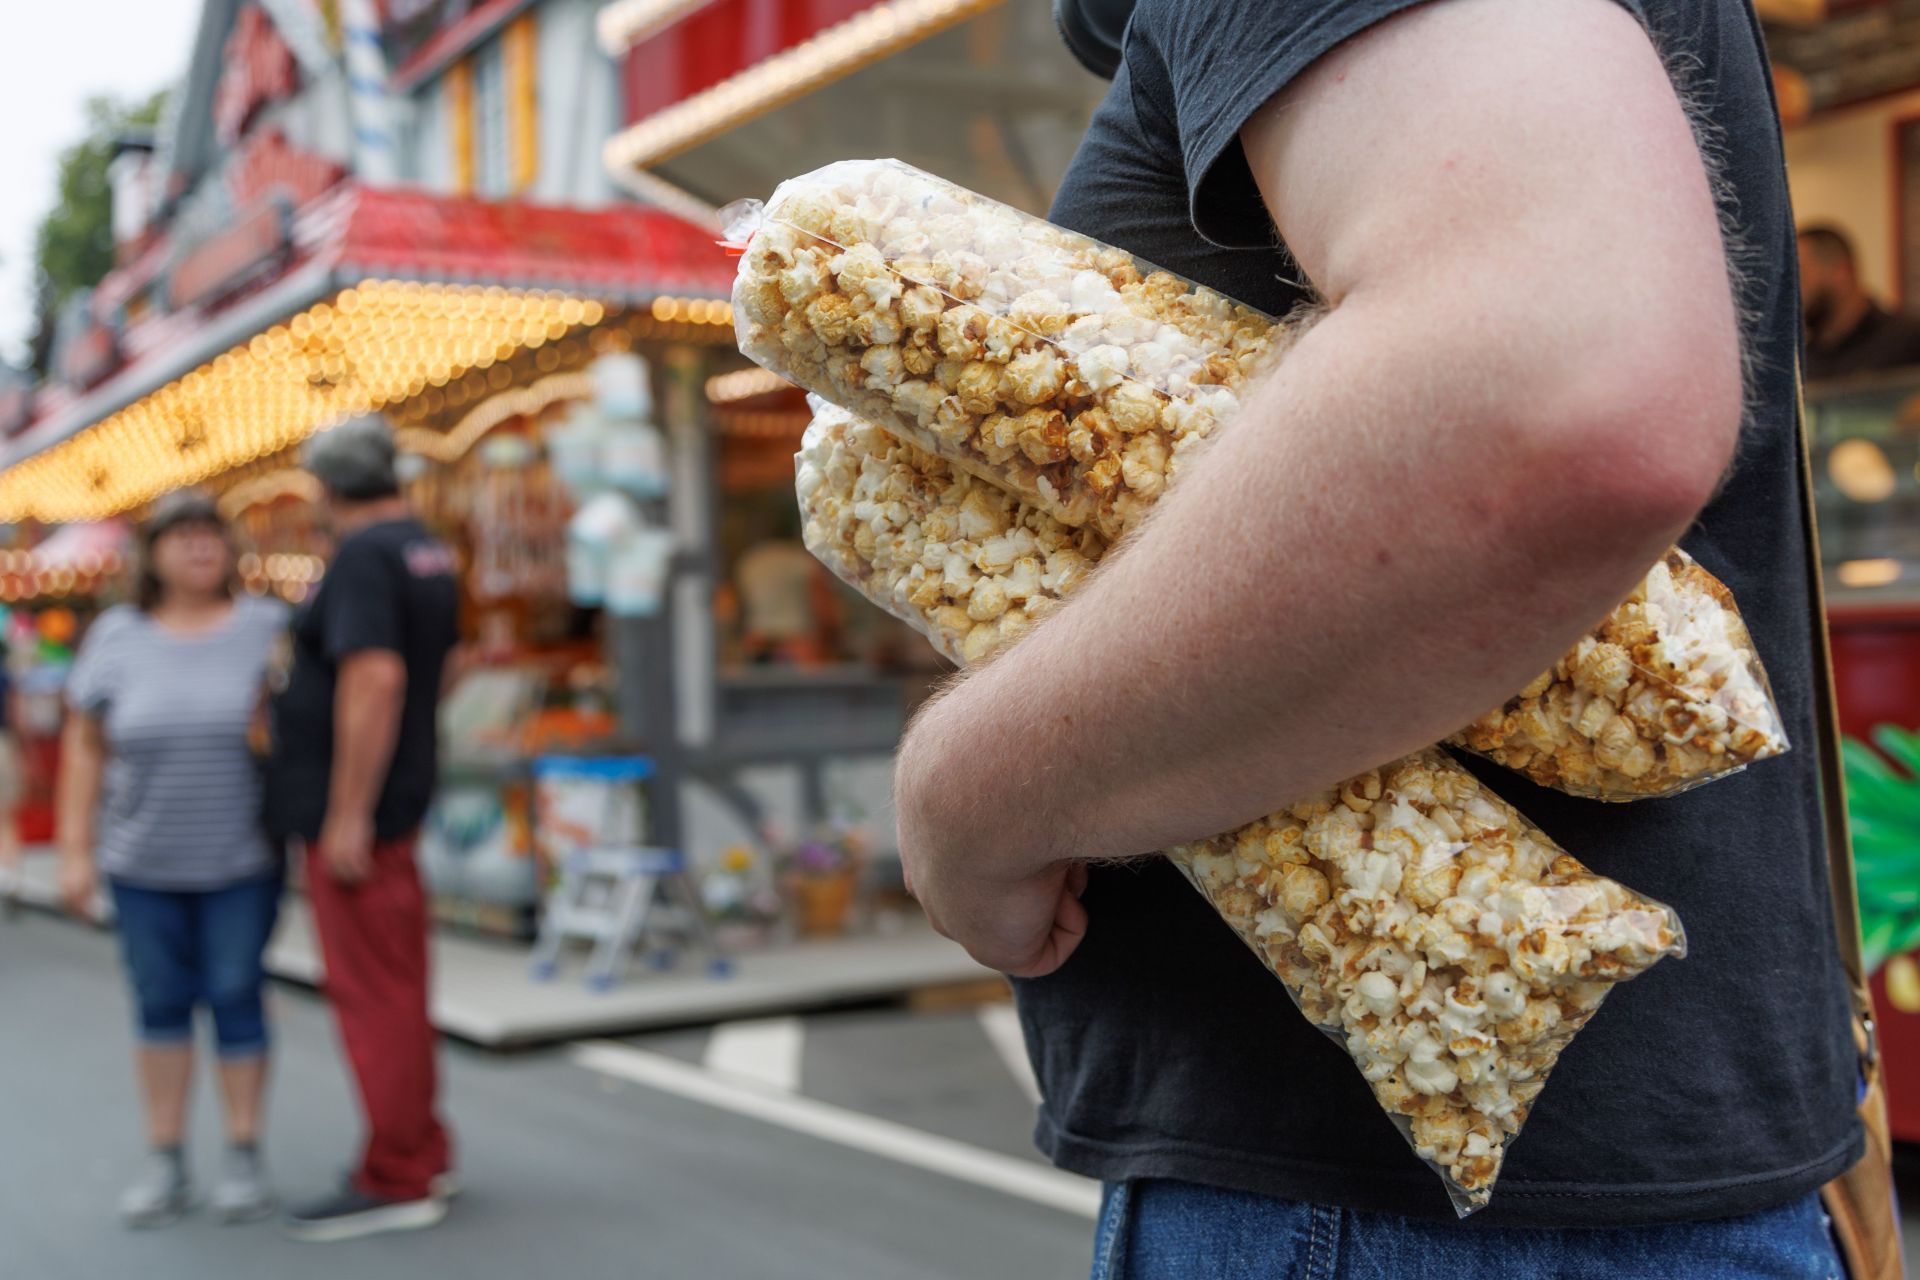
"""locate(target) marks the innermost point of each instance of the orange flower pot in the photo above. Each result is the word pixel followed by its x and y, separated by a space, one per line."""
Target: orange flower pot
pixel 824 902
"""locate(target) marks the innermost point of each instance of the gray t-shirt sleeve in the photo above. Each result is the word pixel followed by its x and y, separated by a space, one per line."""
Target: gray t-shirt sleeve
pixel 1217 62
pixel 94 680
pixel 266 616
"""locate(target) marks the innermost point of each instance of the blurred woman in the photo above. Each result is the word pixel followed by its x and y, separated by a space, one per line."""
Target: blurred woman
pixel 160 794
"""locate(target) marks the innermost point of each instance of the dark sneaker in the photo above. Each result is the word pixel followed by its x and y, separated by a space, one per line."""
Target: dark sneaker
pixel 350 1213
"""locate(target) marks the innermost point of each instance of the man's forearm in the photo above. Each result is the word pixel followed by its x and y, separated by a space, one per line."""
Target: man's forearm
pixel 367 709
pixel 1385 543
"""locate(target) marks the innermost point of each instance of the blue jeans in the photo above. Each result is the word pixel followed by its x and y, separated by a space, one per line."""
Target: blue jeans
pixel 185 948
pixel 1178 1231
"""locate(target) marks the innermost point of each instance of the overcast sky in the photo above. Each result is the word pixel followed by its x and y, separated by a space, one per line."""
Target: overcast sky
pixel 53 57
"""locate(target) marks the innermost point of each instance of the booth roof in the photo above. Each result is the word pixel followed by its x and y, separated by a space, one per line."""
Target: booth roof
pixel 383 293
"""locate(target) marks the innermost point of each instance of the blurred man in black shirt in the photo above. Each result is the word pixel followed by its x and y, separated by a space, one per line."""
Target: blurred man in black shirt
pixel 1847 331
pixel 352 775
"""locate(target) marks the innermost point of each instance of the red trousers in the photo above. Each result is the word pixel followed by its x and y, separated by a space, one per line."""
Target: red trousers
pixel 373 938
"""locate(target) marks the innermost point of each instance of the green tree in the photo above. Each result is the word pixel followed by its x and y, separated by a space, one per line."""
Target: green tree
pixel 73 248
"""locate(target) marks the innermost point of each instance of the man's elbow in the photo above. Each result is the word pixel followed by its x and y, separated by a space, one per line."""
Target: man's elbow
pixel 1642 441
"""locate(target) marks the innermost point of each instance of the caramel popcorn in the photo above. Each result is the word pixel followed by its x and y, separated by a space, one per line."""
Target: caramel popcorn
pixel 1665 694
pixel 963 562
pixel 1452 947
pixel 876 256
pixel 1455 1004
pixel 1077 378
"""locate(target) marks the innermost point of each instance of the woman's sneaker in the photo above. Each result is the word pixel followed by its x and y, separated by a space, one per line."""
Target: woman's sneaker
pixel 351 1213
pixel 161 1194
pixel 241 1195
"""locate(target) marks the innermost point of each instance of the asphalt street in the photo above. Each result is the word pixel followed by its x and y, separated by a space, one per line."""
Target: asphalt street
pixel 874 1144
pixel 569 1171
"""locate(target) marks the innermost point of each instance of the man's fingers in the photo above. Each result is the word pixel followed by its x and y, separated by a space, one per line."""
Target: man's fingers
pixel 1069 926
pixel 347 869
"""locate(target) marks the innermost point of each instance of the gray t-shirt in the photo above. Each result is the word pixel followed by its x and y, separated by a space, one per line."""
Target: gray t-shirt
pixel 180 808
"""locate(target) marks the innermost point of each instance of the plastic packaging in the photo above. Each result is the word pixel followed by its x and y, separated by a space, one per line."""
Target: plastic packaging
pixel 1075 377
pixel 1665 695
pixel 967 565
pixel 1060 368
pixel 587 802
pixel 1443 939
pixel 638 570
pixel 1447 943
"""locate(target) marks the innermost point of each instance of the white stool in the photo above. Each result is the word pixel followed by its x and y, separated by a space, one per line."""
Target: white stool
pixel 620 898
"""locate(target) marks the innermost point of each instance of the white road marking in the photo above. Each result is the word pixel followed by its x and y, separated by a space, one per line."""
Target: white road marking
pixel 764 1050
pixel 962 1161
pixel 1001 1022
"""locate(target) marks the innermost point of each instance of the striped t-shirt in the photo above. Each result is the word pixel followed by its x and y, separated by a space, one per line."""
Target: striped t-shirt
pixel 180 808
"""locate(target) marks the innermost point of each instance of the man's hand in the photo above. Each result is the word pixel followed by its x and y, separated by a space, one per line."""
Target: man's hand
pixel 346 847
pixel 1026 927
pixel 1020 915
pixel 79 885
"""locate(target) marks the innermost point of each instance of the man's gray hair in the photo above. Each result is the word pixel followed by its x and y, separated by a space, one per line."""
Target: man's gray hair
pixel 355 460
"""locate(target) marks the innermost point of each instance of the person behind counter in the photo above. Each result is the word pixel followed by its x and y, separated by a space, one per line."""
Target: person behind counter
pixel 160 791
pixel 350 781
pixel 1847 331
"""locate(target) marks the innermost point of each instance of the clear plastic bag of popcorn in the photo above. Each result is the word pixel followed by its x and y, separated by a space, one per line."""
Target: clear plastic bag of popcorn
pixel 1452 947
pixel 1447 943
pixel 967 565
pixel 1062 369
pixel 1075 377
pixel 1665 695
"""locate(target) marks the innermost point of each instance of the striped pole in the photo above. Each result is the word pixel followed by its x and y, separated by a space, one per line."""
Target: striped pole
pixel 376 157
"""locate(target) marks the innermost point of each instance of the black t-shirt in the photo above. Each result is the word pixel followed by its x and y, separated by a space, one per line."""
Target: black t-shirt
pixel 1712 1086
pixel 1882 340
pixel 391 586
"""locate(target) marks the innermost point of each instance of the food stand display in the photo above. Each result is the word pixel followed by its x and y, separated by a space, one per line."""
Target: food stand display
pixel 559 668
pixel 725 100
pixel 284 286
pixel 52 585
pixel 1866 456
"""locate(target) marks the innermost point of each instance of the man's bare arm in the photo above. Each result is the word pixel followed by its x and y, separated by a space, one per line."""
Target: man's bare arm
pixel 1526 385
pixel 368 697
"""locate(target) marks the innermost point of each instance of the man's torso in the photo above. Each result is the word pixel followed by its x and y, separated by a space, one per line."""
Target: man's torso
pixel 417 573
pixel 1711 1086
